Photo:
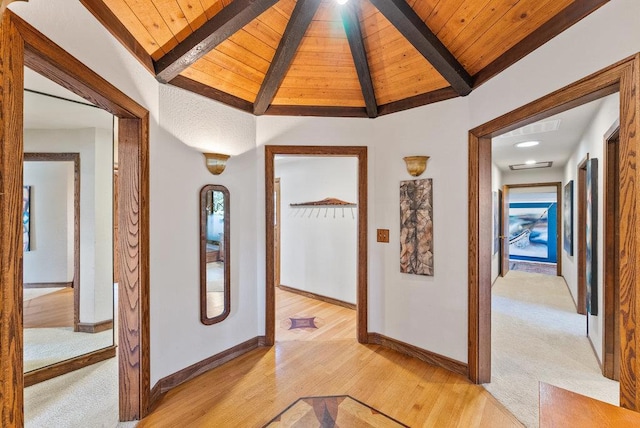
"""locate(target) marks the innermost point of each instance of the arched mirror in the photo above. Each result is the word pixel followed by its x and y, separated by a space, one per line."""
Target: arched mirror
pixel 214 254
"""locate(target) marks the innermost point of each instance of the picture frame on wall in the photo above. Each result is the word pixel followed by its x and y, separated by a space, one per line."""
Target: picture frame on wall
pixel 496 222
pixel 26 218
pixel 567 218
pixel 416 227
pixel 592 236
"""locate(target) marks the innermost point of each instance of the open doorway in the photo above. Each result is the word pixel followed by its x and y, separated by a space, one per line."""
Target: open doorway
pixel 304 210
pixel 609 81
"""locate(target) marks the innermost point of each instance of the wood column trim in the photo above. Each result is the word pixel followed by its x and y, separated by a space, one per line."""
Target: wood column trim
pixel 11 157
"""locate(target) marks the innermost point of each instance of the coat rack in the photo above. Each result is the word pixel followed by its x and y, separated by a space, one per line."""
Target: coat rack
pixel 326 203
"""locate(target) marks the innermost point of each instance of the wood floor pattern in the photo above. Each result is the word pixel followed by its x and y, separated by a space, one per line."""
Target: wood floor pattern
pixel 250 390
pixel 51 310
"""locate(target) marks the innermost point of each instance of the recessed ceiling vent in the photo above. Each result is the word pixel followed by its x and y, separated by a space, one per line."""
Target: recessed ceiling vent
pixel 521 166
pixel 534 128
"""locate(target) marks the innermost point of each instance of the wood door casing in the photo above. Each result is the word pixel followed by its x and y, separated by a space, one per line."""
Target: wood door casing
pixel 504 236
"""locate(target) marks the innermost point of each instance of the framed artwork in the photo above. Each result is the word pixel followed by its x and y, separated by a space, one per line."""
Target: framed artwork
pixel 530 226
pixel 567 218
pixel 26 218
pixel 592 236
pixel 416 227
pixel 496 222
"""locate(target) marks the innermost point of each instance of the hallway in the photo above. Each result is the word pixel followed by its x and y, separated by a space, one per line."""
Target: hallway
pixel 538 336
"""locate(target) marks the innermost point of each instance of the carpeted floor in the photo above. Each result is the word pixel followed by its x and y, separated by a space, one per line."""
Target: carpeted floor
pixel 534 267
pixel 538 336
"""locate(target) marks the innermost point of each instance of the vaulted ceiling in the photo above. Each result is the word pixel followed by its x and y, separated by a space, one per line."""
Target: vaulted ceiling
pixel 364 58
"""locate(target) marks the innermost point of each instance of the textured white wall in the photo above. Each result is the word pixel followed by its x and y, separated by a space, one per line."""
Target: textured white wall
pixel 318 247
pixel 407 308
pixel 51 255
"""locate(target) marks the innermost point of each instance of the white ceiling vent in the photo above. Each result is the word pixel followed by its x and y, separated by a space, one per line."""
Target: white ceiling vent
pixel 534 128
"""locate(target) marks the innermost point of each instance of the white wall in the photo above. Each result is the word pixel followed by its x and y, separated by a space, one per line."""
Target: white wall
pixel 51 237
pixel 591 142
pixel 96 219
pixel 429 312
pixel 318 246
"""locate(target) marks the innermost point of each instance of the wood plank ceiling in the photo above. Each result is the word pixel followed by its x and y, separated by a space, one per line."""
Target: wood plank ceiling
pixel 316 57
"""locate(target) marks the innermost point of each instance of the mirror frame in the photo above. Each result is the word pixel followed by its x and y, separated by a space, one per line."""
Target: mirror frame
pixel 203 255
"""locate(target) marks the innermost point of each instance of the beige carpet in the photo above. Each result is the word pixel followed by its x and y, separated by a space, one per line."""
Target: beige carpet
pixel 538 336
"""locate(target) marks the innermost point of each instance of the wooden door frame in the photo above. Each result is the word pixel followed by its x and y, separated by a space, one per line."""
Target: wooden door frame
pixel 611 336
pixel 75 158
pixel 581 237
pixel 623 77
pixel 558 186
pixel 21 45
pixel 359 152
pixel 504 233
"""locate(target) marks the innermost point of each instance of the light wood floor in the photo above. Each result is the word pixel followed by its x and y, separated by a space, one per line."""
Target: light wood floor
pixel 51 310
pixel 249 391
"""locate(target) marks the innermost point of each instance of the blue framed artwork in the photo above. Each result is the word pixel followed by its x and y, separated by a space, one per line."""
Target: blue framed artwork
pixel 26 218
pixel 496 223
pixel 530 226
pixel 567 218
pixel 592 236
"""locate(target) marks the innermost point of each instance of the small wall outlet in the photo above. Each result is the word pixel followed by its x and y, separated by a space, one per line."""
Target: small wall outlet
pixel 383 235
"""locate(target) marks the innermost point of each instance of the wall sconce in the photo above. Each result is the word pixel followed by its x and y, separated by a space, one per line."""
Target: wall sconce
pixel 215 162
pixel 416 164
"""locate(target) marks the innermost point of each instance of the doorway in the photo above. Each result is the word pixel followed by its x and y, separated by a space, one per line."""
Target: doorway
pixel 360 153
pixel 620 77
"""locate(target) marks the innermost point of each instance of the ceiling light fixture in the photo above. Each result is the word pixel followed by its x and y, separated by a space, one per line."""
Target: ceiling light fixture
pixel 530 162
pixel 341 2
pixel 527 144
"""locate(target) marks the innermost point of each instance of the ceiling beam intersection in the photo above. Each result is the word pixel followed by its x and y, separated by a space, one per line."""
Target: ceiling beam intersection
pixel 411 26
pixel 212 33
pixel 301 17
pixel 351 22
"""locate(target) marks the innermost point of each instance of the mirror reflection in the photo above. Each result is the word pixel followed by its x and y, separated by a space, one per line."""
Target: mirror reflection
pixel 214 251
pixel 68 281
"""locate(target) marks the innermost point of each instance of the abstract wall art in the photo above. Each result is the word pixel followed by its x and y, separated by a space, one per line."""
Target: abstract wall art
pixel 567 218
pixel 416 227
pixel 592 236
pixel 496 222
pixel 26 218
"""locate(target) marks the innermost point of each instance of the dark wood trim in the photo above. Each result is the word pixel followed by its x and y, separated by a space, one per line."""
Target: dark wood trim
pixel 67 366
pixel 285 110
pixel 418 100
pixel 624 77
pixel 558 186
pixel 171 381
pixel 419 353
pixel 22 45
pixel 320 297
pixel 611 242
pixel 11 157
pixel 204 318
pixel 47 284
pixel 117 29
pixel 541 35
pixel 95 327
pixel 407 21
pixel 75 158
pixel 211 93
pixel 205 38
pixel 301 17
pixel 351 24
pixel 362 281
pixel 581 236
pixel 480 245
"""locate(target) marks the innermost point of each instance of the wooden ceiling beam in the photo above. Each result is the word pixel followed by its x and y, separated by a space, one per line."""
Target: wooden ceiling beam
pixel 407 21
pixel 215 31
pixel 301 17
pixel 351 22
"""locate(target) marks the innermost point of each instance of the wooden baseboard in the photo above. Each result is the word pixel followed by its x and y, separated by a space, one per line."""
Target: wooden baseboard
pixel 64 367
pixel 171 381
pixel 94 327
pixel 315 296
pixel 47 284
pixel 419 353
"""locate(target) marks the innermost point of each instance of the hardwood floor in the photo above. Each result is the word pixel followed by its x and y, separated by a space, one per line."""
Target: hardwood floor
pixel 249 391
pixel 51 310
